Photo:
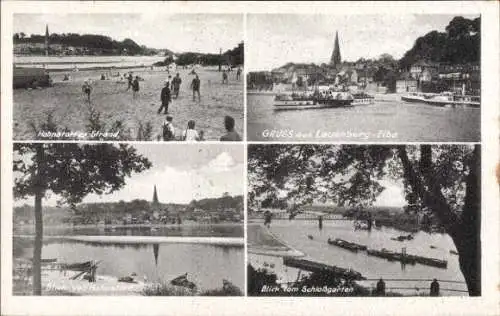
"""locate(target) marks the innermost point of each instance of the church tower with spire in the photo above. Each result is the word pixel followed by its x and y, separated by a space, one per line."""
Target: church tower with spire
pixel 336 59
pixel 155 197
pixel 46 40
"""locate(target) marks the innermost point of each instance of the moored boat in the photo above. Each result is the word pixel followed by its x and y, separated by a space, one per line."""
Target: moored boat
pixel 362 98
pixel 407 258
pixel 310 100
pixel 183 282
pixel 346 244
pixel 444 99
pixel 403 237
pixel 414 97
pixel 313 266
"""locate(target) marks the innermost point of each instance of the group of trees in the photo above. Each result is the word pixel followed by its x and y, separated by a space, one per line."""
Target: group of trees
pixel 231 57
pixel 440 180
pixel 226 201
pixel 114 212
pixel 93 43
pixel 70 171
pixel 459 44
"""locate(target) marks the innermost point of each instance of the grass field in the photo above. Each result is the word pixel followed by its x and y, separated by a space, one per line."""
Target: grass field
pixel 69 108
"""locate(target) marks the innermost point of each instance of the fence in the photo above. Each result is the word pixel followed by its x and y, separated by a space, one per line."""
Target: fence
pixel 434 287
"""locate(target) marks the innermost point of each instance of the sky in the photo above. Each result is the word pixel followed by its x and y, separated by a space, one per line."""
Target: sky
pixel 392 196
pixel 273 40
pixel 181 173
pixel 202 33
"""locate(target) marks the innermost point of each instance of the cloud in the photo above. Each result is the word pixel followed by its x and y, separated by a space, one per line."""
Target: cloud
pixel 222 163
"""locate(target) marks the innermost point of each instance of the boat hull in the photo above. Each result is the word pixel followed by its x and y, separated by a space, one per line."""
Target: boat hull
pixel 310 104
pixel 441 103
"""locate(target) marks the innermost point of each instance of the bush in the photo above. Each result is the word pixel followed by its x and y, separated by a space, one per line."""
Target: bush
pixel 166 289
pixel 229 290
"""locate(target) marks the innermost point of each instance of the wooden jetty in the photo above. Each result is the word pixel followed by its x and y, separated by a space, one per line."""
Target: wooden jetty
pixel 313 266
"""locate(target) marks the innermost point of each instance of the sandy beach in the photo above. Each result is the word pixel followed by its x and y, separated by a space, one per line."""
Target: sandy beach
pixel 69 108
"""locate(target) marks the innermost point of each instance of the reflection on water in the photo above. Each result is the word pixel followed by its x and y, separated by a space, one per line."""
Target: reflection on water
pixel 206 265
pixel 411 122
pixel 222 230
pixel 295 234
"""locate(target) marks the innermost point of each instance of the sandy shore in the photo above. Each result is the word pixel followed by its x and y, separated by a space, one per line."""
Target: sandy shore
pixel 262 242
pixel 69 109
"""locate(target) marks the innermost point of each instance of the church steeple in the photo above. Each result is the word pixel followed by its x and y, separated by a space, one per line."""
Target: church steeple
pixel 155 197
pixel 46 40
pixel 336 59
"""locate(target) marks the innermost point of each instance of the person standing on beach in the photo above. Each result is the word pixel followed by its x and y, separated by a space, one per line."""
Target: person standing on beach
pixel 165 98
pixel 224 77
pixel 130 81
pixel 135 87
pixel 231 135
pixel 238 73
pixel 176 82
pixel 195 85
pixel 87 89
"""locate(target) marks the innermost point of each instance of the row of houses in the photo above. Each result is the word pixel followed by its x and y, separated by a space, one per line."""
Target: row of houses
pixel 421 76
pixel 429 76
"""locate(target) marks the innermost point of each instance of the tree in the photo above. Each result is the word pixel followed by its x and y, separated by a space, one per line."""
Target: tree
pixel 441 180
pixel 70 171
pixel 460 44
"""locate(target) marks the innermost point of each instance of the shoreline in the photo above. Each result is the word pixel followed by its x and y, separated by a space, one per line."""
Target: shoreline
pixel 190 224
pixel 222 241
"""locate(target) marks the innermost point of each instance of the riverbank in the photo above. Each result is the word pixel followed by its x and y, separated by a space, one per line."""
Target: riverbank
pixel 261 241
pixel 56 282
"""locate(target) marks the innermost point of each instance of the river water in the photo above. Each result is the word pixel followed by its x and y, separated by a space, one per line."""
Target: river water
pixel 295 234
pixel 206 264
pixel 387 121
pixel 82 62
